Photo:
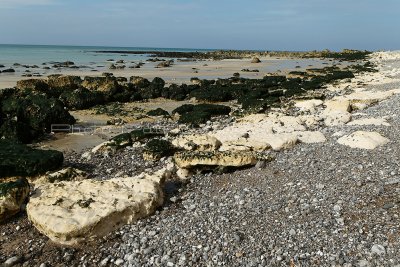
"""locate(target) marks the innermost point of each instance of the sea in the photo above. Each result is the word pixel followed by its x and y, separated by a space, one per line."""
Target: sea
pixel 80 55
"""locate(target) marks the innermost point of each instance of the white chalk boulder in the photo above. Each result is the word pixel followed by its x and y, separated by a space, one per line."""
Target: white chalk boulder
pixel 363 140
pixel 76 211
pixel 189 159
pixel 197 142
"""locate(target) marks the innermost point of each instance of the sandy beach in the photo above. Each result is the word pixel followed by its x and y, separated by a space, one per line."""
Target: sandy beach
pixel 180 72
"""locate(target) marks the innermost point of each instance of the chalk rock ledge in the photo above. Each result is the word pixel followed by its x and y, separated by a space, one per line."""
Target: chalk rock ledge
pixel 76 211
pixel 363 140
pixel 189 159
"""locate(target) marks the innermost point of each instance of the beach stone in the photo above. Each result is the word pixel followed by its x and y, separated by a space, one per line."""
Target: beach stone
pixel 255 60
pixel 12 261
pixel 197 142
pixel 72 212
pixel 363 140
pixel 378 250
pixel 369 121
pixel 311 137
pixel 12 195
pixel 183 173
pixel 337 112
pixel 308 105
pixel 189 159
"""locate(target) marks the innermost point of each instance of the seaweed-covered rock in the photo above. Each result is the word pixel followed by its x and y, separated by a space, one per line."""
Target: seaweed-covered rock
pixel 35 112
pixel 213 109
pixel 12 195
pixel 185 108
pixel 154 90
pixel 37 85
pixel 175 92
pixel 60 83
pixel 139 82
pixel 194 118
pixel 158 112
pixel 108 86
pixel 21 160
pixel 145 133
pixel 81 98
pixel 121 140
pixel 201 113
pixel 155 149
pixel 212 94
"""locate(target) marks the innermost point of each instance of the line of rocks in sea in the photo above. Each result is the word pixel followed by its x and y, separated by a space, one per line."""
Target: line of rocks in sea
pixel 346 54
pixel 294 114
pixel 53 96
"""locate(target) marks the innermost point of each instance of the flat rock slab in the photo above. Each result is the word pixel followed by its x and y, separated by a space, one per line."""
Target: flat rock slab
pixel 191 159
pixel 197 142
pixel 363 140
pixel 76 211
pixel 369 121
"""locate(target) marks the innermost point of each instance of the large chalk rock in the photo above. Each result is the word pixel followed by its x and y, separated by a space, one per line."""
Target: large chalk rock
pixel 337 112
pixel 308 105
pixel 363 140
pixel 73 212
pixel 197 142
pixel 12 196
pixel 189 159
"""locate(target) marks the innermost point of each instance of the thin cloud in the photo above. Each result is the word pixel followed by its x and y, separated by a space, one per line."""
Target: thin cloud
pixel 20 3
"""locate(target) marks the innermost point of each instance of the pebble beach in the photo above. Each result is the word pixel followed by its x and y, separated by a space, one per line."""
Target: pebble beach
pixel 332 202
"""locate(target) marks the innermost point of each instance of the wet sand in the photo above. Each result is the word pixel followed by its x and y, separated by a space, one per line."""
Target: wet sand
pixel 179 72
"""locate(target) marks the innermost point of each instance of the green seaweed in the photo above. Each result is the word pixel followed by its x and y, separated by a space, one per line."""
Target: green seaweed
pixel 18 184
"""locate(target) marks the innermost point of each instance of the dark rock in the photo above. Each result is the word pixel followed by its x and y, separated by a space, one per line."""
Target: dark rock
pixel 183 109
pixel 121 140
pixel 81 98
pixel 194 118
pixel 26 117
pixel 8 71
pixel 61 83
pixel 158 112
pixel 37 85
pixel 213 109
pixel 145 133
pixel 20 160
pixel 140 82
pixel 155 149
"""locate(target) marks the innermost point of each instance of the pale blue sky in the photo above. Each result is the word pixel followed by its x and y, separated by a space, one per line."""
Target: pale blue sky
pixel 229 24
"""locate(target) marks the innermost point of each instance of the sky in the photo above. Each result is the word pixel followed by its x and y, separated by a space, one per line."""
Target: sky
pixel 295 25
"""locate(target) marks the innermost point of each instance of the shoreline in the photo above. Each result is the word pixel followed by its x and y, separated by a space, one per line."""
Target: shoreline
pixel 310 191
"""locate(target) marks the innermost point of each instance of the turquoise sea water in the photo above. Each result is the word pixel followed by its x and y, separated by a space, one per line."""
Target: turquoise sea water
pixel 81 55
